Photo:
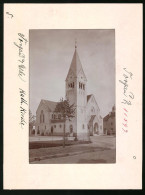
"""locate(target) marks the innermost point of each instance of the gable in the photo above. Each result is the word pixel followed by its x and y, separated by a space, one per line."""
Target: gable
pixel 82 75
pixel 70 75
pixel 75 66
pixel 47 105
pixel 91 101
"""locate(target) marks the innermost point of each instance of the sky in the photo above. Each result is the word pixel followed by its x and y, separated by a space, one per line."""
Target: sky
pixel 51 53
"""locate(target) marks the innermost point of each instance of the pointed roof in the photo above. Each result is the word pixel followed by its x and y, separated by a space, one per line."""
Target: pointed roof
pixel 76 65
pixel 49 105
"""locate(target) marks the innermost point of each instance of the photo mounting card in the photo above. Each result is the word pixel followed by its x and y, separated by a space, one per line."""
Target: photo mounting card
pixel 74 72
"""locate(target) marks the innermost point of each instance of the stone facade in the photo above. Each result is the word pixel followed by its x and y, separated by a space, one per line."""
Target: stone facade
pixel 87 120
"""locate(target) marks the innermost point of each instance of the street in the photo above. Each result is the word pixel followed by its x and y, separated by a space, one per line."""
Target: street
pixel 101 150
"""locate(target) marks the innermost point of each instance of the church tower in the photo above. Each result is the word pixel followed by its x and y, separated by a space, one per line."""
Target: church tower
pixel 76 93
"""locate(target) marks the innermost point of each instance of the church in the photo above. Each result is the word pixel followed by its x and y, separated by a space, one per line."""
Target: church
pixel 87 121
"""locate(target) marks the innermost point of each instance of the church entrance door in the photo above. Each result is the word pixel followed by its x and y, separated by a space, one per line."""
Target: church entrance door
pixel 51 130
pixel 96 128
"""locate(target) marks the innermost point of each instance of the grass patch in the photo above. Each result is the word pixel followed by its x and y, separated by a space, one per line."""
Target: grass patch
pixel 47 144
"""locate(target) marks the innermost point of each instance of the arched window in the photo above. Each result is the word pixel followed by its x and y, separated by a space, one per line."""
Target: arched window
pixel 59 116
pixel 84 86
pixel 52 130
pixel 54 116
pixel 43 118
pixel 71 128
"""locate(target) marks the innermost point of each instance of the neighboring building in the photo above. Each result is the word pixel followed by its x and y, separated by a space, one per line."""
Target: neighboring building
pixel 87 120
pixel 109 123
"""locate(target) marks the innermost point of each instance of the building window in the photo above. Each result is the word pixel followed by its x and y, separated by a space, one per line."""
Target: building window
pixel 83 126
pixel 52 116
pixel 111 123
pixel 45 126
pixel 54 126
pixel 52 130
pixel 43 118
pixel 59 116
pixel 83 87
pixel 71 128
pixel 60 126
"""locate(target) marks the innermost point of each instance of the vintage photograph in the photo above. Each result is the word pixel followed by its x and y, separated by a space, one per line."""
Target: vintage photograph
pixel 72 96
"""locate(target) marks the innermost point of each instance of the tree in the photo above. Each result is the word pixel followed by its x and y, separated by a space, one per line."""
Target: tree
pixel 67 112
pixel 31 120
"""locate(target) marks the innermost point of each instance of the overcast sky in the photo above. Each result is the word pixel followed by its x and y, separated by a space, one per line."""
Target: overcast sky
pixel 51 53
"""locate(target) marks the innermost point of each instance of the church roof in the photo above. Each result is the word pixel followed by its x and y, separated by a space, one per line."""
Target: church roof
pixel 50 104
pixel 76 65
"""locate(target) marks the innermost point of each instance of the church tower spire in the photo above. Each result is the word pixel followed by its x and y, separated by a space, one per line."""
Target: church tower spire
pixel 76 93
pixel 76 65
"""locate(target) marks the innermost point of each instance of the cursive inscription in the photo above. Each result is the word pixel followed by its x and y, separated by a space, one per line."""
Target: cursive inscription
pixel 22 41
pixel 20 44
pixel 23 110
pixel 128 97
